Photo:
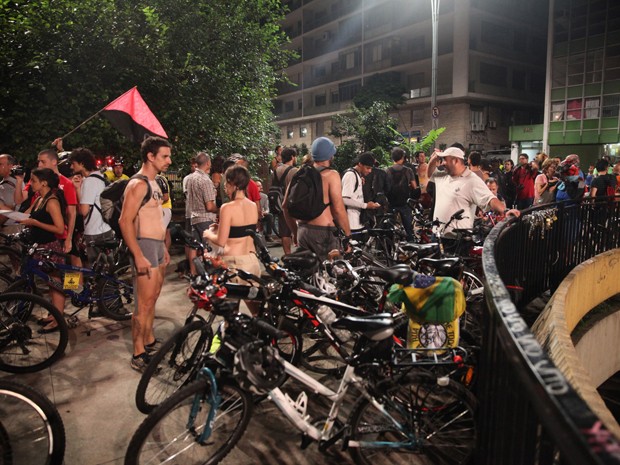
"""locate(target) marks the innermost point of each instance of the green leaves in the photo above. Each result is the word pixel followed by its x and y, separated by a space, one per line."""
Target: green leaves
pixel 206 68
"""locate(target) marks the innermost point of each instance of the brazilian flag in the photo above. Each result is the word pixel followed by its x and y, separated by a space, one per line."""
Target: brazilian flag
pixel 430 299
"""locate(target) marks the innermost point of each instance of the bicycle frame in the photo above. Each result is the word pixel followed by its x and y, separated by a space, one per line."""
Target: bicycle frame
pixel 32 267
pixel 295 411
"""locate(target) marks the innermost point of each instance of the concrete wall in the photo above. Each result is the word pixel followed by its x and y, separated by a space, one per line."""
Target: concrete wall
pixel 588 285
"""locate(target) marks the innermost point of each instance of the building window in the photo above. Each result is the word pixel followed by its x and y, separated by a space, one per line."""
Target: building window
pixel 299 104
pixel 288 106
pixel 476 118
pixel 320 100
pixel 417 117
pixel 289 132
pixel 518 79
pixel 334 96
pixel 349 90
pixel 557 111
pixel 350 60
pixel 493 75
pixel 610 105
pixel 377 50
pixel 319 71
pixel 573 109
pixel 496 34
pixel 592 107
pixel 303 131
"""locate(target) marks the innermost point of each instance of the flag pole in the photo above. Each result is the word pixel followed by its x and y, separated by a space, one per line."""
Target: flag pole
pixel 93 116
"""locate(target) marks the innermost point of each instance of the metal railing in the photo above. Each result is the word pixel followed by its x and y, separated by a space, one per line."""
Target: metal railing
pixel 529 414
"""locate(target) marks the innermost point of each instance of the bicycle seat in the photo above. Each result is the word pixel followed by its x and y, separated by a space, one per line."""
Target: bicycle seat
pixel 376 327
pixel 421 250
pixel 304 262
pixel 443 266
pixel 107 245
pixel 399 274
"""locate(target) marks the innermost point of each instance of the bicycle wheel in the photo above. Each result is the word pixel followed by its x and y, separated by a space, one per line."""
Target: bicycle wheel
pixel 22 348
pixel 10 260
pixel 115 297
pixel 32 429
pixel 173 365
pixel 438 421
pixel 170 434
pixel 5 281
pixel 471 322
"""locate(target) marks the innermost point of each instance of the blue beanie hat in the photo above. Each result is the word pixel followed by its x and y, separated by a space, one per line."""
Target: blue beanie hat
pixel 322 149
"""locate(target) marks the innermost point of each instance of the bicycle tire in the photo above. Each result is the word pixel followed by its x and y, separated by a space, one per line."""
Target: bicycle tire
pixel 22 348
pixel 115 298
pixel 441 416
pixel 10 260
pixel 5 281
pixel 32 425
pixel 173 365
pixel 164 436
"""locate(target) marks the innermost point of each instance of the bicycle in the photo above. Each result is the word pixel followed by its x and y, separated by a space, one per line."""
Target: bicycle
pixel 31 429
pixel 182 355
pixel 106 286
pixel 22 348
pixel 399 413
pixel 213 409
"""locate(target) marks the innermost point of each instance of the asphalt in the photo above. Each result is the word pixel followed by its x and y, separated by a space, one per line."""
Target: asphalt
pixel 93 388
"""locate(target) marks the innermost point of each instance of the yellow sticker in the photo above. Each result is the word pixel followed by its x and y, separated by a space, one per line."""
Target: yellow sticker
pixel 72 281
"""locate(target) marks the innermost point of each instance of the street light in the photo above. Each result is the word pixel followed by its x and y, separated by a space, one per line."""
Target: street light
pixel 434 23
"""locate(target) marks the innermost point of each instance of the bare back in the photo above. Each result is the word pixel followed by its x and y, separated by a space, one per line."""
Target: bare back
pixel 335 213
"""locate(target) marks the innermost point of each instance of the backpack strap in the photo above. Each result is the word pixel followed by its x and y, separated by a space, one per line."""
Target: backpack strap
pixel 90 211
pixel 357 178
pixel 320 169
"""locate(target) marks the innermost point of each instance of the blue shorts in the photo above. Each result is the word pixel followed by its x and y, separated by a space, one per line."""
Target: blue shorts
pixel 153 250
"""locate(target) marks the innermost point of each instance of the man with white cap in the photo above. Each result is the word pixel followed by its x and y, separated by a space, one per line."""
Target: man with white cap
pixel 318 235
pixel 459 188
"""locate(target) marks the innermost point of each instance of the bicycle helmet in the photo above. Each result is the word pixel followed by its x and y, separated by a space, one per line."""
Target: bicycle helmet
pixel 257 368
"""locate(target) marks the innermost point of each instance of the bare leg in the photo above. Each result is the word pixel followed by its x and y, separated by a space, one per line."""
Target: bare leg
pixel 58 301
pixel 149 334
pixel 147 292
pixel 286 245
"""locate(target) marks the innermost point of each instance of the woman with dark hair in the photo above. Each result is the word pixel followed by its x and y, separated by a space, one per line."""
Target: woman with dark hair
pixel 46 224
pixel 236 217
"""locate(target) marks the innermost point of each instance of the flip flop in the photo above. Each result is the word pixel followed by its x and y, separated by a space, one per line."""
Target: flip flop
pixel 48 330
pixel 45 321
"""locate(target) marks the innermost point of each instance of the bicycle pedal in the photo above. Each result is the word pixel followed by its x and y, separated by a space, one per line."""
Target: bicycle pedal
pixel 72 321
pixel 305 441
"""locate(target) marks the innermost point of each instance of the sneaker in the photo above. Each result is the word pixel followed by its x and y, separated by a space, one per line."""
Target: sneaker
pixel 140 362
pixel 153 346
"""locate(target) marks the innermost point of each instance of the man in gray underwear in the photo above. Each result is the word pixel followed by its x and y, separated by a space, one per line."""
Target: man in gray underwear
pixel 144 233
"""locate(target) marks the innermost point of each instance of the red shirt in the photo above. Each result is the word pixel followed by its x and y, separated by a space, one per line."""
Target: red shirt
pixel 525 178
pixel 253 192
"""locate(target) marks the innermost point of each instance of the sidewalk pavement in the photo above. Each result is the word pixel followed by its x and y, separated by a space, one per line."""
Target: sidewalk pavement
pixel 93 388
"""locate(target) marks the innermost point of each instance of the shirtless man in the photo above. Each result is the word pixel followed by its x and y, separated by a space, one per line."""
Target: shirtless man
pixel 144 233
pixel 318 235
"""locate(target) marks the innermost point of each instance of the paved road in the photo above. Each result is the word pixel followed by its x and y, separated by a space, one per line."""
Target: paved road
pixel 93 387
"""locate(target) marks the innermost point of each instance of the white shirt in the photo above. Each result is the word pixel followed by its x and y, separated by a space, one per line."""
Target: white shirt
pixel 453 193
pixel 353 198
pixel 90 195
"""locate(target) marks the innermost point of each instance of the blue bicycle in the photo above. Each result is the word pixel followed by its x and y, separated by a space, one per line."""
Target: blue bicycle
pixel 106 286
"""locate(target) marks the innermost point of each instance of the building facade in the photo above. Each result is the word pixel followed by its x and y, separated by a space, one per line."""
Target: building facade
pixel 490 67
pixel 583 97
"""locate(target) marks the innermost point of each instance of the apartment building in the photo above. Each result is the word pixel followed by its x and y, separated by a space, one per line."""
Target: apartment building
pixel 490 67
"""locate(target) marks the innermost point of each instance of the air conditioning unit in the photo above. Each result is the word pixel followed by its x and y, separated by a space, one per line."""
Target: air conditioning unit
pixel 492 124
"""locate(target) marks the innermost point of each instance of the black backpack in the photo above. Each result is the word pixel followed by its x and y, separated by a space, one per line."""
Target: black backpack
pixel 111 200
pixel 398 191
pixel 276 192
pixel 305 194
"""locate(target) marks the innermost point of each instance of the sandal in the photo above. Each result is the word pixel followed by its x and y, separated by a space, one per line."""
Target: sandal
pixel 45 321
pixel 49 329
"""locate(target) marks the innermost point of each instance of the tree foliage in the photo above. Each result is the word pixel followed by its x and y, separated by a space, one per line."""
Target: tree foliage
pixel 384 87
pixel 363 130
pixel 206 68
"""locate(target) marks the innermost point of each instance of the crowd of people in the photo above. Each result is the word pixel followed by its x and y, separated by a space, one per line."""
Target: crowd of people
pixel 223 204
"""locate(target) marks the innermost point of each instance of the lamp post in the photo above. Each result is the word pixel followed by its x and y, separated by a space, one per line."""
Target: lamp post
pixel 434 23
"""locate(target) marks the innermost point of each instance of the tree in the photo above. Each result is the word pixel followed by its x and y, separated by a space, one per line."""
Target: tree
pixel 206 68
pixel 362 130
pixel 385 87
